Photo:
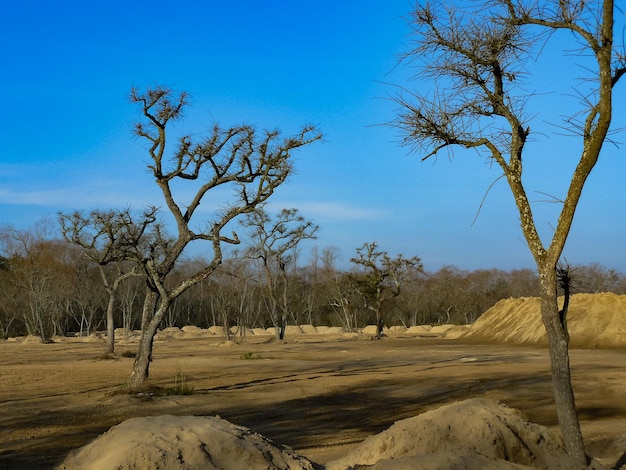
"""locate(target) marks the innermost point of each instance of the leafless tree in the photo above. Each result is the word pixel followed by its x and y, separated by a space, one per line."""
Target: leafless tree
pixel 110 239
pixel 595 278
pixel 478 59
pixel 87 299
pixel 129 299
pixel 381 277
pixel 345 300
pixel 8 314
pixel 273 243
pixel 40 276
pixel 238 161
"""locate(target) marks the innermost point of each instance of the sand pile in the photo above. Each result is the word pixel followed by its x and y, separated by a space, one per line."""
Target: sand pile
pixel 183 442
pixel 594 321
pixel 474 434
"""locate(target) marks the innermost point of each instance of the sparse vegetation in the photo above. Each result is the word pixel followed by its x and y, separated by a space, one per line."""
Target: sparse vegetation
pixel 107 356
pixel 251 355
pixel 148 392
pixel 181 385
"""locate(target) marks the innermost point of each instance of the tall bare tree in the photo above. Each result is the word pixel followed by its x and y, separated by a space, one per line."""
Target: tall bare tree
pixel 273 243
pixel 248 164
pixel 380 278
pixel 478 59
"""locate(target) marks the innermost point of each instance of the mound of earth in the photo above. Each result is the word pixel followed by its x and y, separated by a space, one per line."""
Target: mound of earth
pixel 183 442
pixel 593 320
pixel 474 434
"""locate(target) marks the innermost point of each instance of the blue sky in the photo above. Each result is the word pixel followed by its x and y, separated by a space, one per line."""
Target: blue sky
pixel 66 142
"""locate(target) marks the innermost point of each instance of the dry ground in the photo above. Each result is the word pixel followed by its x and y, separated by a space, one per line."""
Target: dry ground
pixel 320 395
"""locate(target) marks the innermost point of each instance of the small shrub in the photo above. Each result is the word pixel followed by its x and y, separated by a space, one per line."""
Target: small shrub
pixel 128 353
pixel 250 355
pixel 181 387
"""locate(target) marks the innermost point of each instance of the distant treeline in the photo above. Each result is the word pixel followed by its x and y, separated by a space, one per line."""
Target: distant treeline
pixel 49 285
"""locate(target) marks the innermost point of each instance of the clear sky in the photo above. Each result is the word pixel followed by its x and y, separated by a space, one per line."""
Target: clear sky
pixel 66 142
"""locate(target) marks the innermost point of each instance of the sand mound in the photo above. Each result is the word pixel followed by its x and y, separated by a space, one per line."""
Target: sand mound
pixel 261 332
pixel 308 329
pixel 398 329
pixel 372 329
pixel 218 330
pixel 594 321
pixel 330 330
pixel 419 330
pixel 185 442
pixel 475 434
pixel 472 434
pixel 194 330
pixel 32 339
pixel 241 331
pixel 292 330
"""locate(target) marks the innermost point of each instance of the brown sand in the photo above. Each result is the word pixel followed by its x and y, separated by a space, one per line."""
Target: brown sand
pixel 182 443
pixel 320 394
pixel 593 320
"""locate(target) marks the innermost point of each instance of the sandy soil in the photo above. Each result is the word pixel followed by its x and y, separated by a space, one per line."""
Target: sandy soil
pixel 321 395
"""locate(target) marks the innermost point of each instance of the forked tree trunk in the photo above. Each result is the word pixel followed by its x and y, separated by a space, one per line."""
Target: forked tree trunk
pixel 558 340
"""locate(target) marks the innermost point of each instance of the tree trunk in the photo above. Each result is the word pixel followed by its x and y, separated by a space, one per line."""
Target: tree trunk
pixel 110 325
pixel 42 330
pixel 279 327
pixel 379 325
pixel 149 324
pixel 141 367
pixel 558 340
pixel 149 307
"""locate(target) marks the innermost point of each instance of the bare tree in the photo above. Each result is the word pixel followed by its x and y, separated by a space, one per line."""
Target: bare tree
pixel 39 276
pixel 345 300
pixel 478 58
pixel 381 277
pixel 238 159
pixel 88 299
pixel 274 243
pixel 109 239
pixel 596 278
pixel 8 314
pixel 129 299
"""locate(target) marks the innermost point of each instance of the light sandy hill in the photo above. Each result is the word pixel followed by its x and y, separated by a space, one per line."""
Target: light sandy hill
pixel 594 321
pixel 183 442
pixel 474 434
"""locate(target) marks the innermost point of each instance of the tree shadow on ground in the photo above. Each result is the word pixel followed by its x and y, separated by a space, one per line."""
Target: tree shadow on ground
pixel 349 415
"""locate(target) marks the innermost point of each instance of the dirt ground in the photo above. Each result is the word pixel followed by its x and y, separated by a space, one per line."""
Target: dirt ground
pixel 319 395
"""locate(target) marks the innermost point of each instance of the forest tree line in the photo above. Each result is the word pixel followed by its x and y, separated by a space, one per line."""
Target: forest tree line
pixel 49 287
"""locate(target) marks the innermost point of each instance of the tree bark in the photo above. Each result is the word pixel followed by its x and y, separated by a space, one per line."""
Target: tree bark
pixel 379 324
pixel 110 325
pixel 558 340
pixel 149 323
pixel 141 367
